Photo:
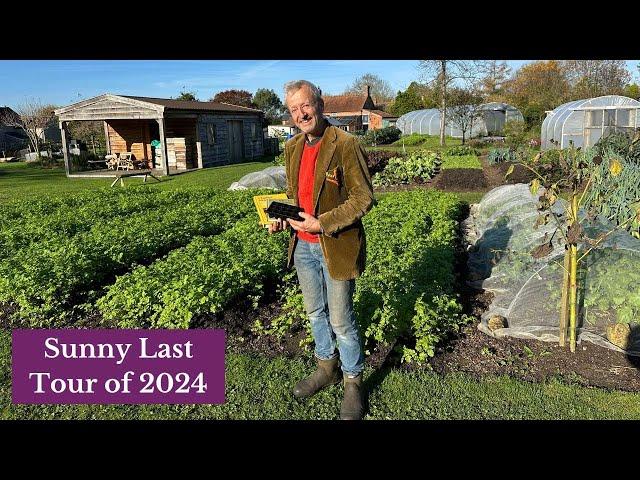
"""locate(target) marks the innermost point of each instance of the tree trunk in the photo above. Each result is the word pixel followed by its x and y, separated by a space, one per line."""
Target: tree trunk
pixel 37 145
pixel 443 103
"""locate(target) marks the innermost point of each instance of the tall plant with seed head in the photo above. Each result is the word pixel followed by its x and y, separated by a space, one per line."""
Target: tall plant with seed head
pixel 576 172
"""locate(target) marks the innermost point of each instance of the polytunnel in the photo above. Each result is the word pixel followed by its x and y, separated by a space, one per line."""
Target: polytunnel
pixel 584 122
pixel 427 121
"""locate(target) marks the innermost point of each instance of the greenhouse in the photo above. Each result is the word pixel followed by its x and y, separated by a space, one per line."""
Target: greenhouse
pixel 494 115
pixel 584 122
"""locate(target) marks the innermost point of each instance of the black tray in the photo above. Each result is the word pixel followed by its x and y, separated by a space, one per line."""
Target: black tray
pixel 284 211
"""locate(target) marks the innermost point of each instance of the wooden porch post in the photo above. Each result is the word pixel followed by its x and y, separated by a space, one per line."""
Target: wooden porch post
pixel 67 159
pixel 106 137
pixel 163 145
pixel 199 153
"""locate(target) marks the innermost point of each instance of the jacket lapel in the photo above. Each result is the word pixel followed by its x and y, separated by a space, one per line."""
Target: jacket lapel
pixel 322 163
pixel 295 166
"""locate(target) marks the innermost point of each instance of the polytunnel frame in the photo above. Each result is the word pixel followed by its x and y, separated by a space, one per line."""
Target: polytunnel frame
pixel 615 127
pixel 565 111
pixel 431 117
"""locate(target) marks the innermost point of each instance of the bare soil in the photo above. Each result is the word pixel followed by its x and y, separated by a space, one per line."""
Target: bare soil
pixel 460 180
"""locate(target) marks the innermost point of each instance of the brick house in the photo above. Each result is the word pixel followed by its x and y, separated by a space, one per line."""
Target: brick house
pixel 357 112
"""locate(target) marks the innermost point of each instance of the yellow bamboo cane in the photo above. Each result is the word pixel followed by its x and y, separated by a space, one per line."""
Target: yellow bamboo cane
pixel 573 279
pixel 564 306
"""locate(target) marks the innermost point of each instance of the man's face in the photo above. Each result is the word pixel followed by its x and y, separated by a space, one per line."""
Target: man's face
pixel 306 115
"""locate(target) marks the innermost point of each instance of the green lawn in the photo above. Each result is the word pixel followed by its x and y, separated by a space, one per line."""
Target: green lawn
pixel 20 180
pixel 260 388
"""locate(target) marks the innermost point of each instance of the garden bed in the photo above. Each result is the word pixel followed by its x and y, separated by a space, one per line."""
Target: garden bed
pixel 467 179
pixel 480 355
pixel 495 173
pixel 460 180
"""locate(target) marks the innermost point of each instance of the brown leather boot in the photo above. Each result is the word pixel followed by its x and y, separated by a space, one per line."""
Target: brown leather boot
pixel 327 373
pixel 352 405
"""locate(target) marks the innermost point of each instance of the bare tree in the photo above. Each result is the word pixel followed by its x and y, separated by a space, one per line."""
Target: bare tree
pixel 381 90
pixel 33 117
pixel 88 131
pixel 444 73
pixel 593 78
pixel 464 109
pixel 495 76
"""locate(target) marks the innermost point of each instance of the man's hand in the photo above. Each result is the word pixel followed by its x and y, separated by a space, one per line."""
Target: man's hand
pixel 310 224
pixel 278 226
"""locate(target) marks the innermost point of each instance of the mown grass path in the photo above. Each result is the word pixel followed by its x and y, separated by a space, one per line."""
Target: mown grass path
pixel 258 388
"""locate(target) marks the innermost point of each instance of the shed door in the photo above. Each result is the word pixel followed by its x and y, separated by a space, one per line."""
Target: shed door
pixel 235 140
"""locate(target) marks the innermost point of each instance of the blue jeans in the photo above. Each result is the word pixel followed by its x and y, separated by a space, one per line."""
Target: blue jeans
pixel 329 305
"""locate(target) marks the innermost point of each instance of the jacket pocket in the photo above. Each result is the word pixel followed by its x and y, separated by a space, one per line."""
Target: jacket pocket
pixel 334 176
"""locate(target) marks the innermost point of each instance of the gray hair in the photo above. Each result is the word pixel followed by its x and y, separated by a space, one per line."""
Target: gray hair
pixel 316 93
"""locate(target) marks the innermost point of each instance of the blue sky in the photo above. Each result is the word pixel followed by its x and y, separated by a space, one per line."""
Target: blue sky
pixel 62 82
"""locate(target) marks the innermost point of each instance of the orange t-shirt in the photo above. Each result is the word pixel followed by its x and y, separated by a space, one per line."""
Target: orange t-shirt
pixel 305 185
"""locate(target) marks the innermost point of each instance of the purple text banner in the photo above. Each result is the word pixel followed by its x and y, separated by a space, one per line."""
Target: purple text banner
pixel 113 366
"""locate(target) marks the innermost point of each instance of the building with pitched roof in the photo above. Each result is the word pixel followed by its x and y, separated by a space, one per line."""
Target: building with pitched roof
pixel 189 134
pixel 11 138
pixel 357 112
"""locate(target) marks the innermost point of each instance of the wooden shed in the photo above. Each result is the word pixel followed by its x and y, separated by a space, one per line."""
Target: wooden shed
pixel 190 134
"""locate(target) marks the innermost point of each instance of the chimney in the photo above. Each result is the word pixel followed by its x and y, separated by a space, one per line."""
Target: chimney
pixel 368 91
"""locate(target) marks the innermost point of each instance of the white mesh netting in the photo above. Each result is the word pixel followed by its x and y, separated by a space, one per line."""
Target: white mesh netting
pixel 272 177
pixel 527 291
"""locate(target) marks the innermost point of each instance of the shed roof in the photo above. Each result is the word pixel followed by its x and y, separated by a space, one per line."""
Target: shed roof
pixel 110 106
pixel 335 122
pixel 172 104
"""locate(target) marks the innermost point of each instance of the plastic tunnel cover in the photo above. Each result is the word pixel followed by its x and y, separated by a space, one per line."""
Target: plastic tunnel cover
pixel 527 291
pixel 272 177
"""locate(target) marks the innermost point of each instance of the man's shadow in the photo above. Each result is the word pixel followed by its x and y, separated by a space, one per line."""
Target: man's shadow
pixel 487 252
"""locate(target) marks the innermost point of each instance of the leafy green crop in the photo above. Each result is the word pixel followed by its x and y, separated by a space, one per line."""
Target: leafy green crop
pixel 420 165
pixel 47 278
pixel 499 155
pixel 204 276
pixel 461 161
pixel 461 151
pixel 407 288
pixel 81 213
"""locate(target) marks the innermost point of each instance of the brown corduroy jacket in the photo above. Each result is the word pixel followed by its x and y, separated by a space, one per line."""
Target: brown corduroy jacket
pixel 342 194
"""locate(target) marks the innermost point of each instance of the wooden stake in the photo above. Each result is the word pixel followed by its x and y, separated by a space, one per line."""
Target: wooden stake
pixel 564 306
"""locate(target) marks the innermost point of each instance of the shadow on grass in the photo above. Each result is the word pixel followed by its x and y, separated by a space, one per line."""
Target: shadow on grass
pixel 375 379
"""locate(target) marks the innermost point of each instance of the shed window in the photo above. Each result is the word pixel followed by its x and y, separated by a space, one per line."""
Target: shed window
pixel 211 133
pixel 253 130
pixel 365 119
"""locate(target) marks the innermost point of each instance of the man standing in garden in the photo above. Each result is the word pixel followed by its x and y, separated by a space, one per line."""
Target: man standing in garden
pixel 327 175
